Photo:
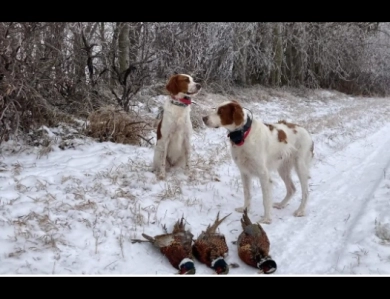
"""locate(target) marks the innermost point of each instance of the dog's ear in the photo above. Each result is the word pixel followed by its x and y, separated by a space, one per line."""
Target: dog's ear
pixel 175 73
pixel 172 85
pixel 238 114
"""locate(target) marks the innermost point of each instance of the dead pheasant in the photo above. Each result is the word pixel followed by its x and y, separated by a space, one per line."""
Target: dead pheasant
pixel 211 249
pixel 176 246
pixel 253 246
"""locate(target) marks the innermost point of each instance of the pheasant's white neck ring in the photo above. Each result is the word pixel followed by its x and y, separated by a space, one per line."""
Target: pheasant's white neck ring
pixel 186 260
pixel 217 259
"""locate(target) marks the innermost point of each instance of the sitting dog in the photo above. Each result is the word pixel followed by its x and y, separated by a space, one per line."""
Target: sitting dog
pixel 174 129
pixel 258 148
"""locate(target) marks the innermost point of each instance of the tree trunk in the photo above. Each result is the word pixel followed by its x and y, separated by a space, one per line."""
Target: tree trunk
pixel 240 58
pixel 79 61
pixel 278 50
pixel 123 48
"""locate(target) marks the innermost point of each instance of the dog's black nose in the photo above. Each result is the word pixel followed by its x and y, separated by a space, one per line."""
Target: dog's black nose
pixel 198 86
pixel 205 118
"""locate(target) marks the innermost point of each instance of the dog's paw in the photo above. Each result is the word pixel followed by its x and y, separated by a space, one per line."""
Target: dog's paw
pixel 161 176
pixel 299 213
pixel 279 205
pixel 240 210
pixel 187 172
pixel 265 220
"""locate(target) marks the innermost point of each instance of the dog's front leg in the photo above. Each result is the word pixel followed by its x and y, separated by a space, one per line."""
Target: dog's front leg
pixel 247 185
pixel 187 153
pixel 266 188
pixel 162 152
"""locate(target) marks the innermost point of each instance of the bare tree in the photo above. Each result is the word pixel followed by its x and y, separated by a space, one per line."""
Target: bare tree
pixel 130 63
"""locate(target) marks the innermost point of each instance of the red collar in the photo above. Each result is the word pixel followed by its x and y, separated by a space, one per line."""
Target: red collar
pixel 186 100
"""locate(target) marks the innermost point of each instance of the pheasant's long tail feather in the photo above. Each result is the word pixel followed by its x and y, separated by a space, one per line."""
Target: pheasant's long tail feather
pixel 217 222
pixel 245 221
pixel 179 225
pixel 139 241
pixel 149 238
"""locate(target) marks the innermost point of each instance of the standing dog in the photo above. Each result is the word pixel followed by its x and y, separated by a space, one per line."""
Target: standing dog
pixel 258 148
pixel 174 130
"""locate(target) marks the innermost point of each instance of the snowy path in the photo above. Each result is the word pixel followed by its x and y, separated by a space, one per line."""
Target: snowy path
pixel 313 244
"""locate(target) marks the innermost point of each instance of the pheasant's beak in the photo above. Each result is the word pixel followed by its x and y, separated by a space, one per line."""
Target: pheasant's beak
pixel 189 272
pixel 221 271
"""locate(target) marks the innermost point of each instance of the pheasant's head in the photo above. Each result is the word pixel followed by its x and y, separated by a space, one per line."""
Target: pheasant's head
pixel 220 266
pixel 267 265
pixel 187 266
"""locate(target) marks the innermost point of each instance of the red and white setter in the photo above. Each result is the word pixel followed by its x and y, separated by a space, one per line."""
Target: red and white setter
pixel 174 130
pixel 258 148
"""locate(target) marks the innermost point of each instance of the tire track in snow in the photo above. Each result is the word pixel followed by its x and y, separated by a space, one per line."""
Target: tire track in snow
pixel 363 218
pixel 312 244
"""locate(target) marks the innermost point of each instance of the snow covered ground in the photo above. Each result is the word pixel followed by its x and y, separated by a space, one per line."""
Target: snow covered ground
pixel 74 211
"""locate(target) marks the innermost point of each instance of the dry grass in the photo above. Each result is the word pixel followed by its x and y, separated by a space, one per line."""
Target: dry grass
pixel 23 109
pixel 203 167
pixel 110 124
pixel 197 112
pixel 358 256
pixel 172 190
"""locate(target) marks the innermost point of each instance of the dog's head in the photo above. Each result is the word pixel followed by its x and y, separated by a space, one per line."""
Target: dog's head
pixel 181 85
pixel 229 115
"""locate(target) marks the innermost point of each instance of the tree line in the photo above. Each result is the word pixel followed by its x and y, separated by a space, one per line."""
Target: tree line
pixel 49 68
